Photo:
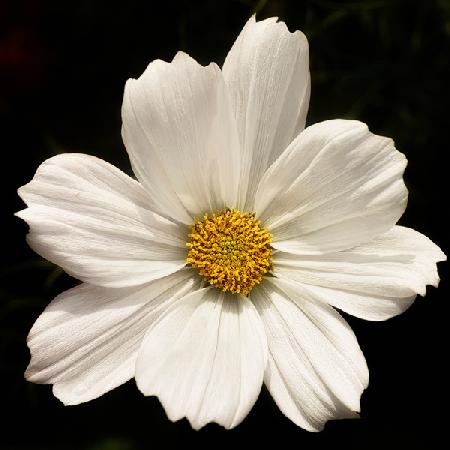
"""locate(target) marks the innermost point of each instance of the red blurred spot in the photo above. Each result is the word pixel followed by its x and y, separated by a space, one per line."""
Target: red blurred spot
pixel 21 57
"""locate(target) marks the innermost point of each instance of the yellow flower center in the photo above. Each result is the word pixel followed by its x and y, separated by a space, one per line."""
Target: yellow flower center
pixel 231 250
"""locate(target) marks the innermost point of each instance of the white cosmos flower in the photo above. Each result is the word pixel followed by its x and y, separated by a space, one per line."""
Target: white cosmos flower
pixel 209 148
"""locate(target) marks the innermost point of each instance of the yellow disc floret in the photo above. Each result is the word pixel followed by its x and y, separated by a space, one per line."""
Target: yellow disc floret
pixel 231 250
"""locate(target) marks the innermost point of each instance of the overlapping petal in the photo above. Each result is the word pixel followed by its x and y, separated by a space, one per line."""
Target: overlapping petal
pixel 337 185
pixel 85 343
pixel 180 133
pixel 93 220
pixel 267 75
pixel 205 360
pixel 375 280
pixel 316 370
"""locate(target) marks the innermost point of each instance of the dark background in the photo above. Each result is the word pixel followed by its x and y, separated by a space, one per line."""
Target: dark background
pixel 63 65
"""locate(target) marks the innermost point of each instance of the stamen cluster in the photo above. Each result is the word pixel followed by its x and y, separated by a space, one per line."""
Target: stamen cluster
pixel 231 250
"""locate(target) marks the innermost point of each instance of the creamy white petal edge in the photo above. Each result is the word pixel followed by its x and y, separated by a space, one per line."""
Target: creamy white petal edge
pixel 316 370
pixel 95 222
pixel 85 343
pixel 205 360
pixel 373 281
pixel 180 133
pixel 267 75
pixel 337 185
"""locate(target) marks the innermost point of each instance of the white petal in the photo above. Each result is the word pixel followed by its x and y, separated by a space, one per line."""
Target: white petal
pixel 180 133
pixel 316 370
pixel 85 343
pixel 267 74
pixel 335 186
pixel 93 220
pixel 205 360
pixel 374 281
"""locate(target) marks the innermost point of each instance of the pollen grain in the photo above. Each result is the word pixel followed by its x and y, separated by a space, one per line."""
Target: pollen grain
pixel 230 250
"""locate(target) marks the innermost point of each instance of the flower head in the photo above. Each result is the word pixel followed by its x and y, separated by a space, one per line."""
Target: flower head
pixel 220 268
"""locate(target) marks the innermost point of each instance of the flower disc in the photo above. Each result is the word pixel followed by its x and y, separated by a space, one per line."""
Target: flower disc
pixel 231 250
